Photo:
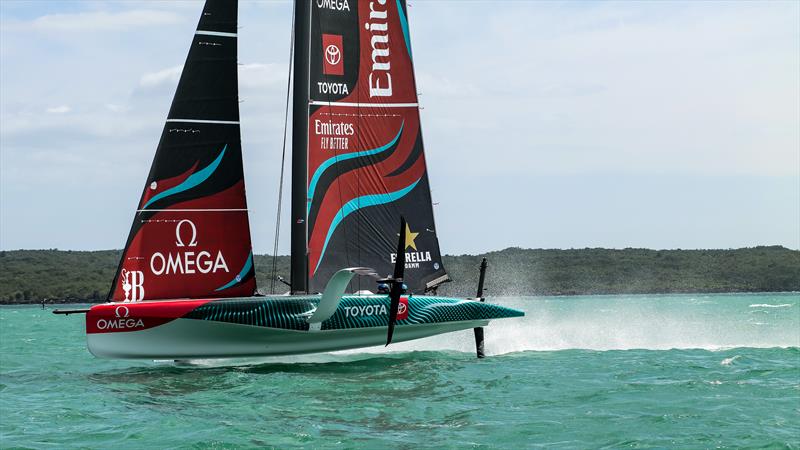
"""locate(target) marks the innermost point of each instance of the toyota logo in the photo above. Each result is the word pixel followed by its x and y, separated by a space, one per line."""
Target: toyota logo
pixel 333 55
pixel 122 312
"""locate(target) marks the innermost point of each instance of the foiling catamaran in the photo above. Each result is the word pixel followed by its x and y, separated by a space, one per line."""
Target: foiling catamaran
pixel 185 286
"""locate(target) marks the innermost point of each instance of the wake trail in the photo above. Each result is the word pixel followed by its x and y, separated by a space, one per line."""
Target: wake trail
pixel 710 322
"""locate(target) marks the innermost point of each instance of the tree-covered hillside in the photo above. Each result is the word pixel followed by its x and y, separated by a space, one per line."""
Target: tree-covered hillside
pixel 30 276
pixel 516 271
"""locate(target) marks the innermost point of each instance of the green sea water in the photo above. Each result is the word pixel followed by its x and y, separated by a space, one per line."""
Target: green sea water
pixel 668 371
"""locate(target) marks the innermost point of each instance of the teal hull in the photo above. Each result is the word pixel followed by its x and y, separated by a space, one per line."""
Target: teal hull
pixel 354 311
pixel 271 326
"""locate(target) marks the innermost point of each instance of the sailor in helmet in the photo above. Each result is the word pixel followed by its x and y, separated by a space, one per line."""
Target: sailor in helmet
pixel 384 288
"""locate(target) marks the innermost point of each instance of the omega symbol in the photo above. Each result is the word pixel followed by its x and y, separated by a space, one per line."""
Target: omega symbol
pixel 124 312
pixel 192 241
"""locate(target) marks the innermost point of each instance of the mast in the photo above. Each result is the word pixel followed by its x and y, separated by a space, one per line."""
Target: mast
pixel 300 97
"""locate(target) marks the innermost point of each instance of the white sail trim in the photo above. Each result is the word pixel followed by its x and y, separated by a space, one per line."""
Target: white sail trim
pixel 215 33
pixel 223 122
pixel 190 210
pixel 365 105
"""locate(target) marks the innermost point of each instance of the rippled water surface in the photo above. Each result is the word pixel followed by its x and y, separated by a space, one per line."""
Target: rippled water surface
pixel 690 371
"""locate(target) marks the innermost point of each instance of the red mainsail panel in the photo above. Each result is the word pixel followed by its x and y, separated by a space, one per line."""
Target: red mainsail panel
pixel 366 164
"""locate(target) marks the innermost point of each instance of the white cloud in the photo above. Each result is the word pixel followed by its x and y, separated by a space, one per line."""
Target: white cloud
pixel 117 108
pixel 63 109
pixel 102 21
pixel 445 86
pixel 709 89
pixel 251 76
pixel 170 75
pixel 259 75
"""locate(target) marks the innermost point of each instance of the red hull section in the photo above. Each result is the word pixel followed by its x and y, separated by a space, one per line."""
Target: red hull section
pixel 124 317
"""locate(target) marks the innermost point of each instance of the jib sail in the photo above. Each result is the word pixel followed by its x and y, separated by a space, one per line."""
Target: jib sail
pixel 190 236
pixel 366 165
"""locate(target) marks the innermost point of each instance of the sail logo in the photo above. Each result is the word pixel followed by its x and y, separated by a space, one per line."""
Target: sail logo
pixel 333 135
pixel 179 240
pixel 414 257
pixel 402 309
pixel 333 54
pixel 365 310
pixel 333 5
pixel 121 322
pixel 377 310
pixel 380 80
pixel 122 312
pixel 132 284
pixel 187 262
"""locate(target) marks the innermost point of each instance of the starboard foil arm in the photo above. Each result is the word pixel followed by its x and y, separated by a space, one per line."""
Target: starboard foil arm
pixel 334 291
pixel 67 312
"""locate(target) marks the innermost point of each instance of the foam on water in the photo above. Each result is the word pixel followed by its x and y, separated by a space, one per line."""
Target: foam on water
pixel 626 322
pixel 729 361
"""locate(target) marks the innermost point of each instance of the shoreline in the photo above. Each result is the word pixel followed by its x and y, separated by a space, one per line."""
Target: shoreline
pixel 57 276
pixel 56 302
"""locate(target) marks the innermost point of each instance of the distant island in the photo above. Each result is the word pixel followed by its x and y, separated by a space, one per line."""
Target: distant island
pixel 61 276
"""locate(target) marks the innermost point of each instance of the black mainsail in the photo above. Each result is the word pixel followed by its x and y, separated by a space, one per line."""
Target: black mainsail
pixel 363 165
pixel 190 237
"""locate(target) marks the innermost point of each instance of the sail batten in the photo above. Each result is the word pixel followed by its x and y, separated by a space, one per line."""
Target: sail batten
pixel 215 33
pixel 217 122
pixel 364 104
pixel 190 236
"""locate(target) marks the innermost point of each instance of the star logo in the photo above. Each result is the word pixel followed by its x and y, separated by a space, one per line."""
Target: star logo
pixel 410 238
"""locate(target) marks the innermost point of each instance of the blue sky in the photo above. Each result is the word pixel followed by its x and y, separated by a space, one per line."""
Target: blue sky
pixel 547 124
